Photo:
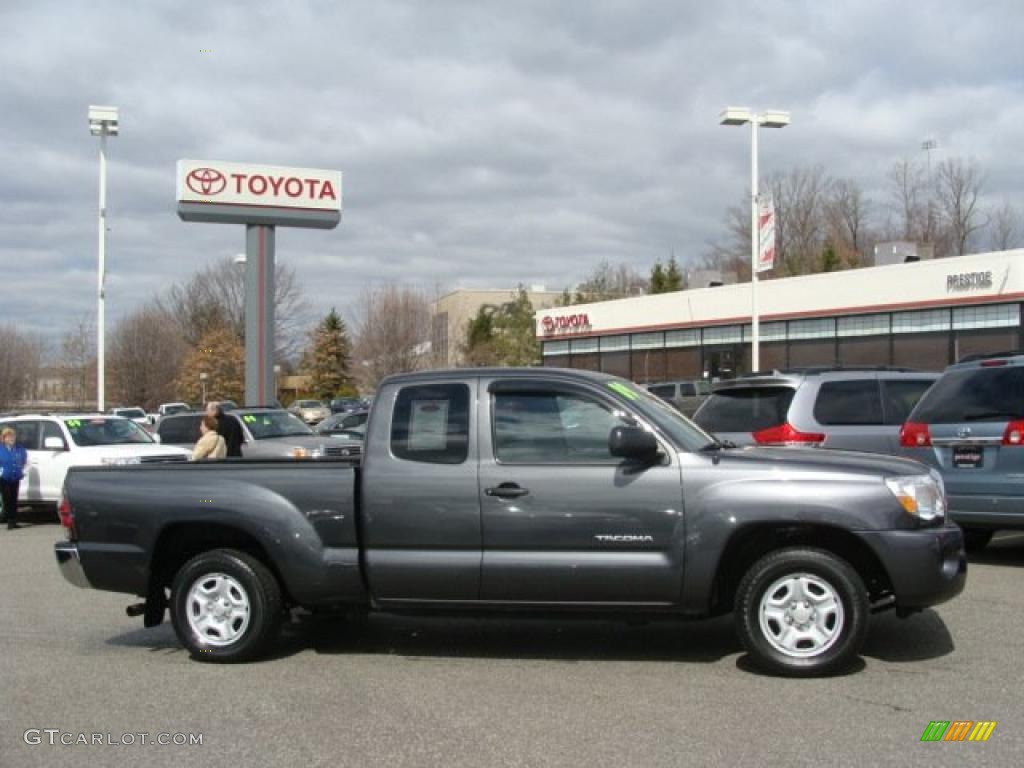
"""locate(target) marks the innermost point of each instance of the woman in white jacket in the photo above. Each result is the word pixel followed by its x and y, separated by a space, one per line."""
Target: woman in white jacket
pixel 210 445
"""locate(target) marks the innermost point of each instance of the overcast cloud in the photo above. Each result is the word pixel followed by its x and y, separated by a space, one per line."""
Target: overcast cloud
pixel 482 143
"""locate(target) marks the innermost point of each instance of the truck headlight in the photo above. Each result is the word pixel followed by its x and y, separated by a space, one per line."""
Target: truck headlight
pixel 922 496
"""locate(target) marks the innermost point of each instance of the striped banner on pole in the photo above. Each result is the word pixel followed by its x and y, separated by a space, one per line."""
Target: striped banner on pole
pixel 766 233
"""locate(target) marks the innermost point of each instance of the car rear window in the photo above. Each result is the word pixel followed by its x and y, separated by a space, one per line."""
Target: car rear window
pixel 745 410
pixel 666 391
pixel 900 397
pixel 857 401
pixel 973 394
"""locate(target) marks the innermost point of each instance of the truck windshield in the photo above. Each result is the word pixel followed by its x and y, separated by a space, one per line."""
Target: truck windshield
pixel 684 432
pixel 96 431
pixel 274 424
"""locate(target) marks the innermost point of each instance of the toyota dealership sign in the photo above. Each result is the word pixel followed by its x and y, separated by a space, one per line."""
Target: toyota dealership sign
pixel 211 190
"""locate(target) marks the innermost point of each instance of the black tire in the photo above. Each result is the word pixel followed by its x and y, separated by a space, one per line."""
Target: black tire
pixel 253 581
pixel 848 626
pixel 976 539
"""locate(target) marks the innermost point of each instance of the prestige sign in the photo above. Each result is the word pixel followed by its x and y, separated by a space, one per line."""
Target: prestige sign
pixel 968 281
pixel 211 190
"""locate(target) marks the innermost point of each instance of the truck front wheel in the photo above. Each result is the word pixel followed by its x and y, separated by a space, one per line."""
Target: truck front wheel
pixel 802 612
pixel 225 606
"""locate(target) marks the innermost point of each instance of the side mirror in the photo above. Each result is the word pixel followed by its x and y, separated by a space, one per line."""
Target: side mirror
pixel 54 444
pixel 632 443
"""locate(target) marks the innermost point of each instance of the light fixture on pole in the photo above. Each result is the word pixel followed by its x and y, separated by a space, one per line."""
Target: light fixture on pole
pixel 103 122
pixel 772 118
pixel 277 388
pixel 202 382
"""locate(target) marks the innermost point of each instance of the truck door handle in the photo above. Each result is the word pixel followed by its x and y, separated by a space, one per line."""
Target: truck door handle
pixel 506 491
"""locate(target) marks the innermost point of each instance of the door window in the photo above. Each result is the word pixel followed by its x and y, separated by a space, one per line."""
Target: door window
pixel 430 423
pixel 26 433
pixel 848 403
pixel 52 430
pixel 552 428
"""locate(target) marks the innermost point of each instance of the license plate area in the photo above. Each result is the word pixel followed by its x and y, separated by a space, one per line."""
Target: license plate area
pixel 968 456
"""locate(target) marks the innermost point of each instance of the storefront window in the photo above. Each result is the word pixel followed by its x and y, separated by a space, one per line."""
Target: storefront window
pixel 923 321
pixel 863 325
pixel 998 316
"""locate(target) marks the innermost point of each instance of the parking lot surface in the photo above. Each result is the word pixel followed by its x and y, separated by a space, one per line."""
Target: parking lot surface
pixel 397 691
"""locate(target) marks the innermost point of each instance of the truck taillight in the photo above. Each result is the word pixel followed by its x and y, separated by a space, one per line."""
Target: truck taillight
pixel 1014 434
pixel 67 517
pixel 786 434
pixel 915 435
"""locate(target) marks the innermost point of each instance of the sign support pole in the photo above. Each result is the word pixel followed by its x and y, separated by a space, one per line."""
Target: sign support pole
pixel 259 314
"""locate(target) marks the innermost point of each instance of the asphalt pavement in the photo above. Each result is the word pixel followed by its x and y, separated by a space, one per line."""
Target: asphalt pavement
pixel 439 692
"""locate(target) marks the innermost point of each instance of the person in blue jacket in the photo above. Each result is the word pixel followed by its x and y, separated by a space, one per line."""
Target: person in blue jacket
pixel 13 459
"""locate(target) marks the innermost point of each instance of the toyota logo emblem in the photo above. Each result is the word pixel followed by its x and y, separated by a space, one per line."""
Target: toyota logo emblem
pixel 964 432
pixel 206 181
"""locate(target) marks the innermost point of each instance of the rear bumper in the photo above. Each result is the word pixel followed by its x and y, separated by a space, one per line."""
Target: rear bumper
pixel 987 511
pixel 70 564
pixel 926 567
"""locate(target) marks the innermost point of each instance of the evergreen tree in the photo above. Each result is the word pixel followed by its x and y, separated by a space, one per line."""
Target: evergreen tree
pixel 515 332
pixel 829 259
pixel 657 278
pixel 479 347
pixel 329 359
pixel 673 277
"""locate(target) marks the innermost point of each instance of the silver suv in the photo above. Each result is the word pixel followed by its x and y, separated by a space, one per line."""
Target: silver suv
pixel 970 427
pixel 844 408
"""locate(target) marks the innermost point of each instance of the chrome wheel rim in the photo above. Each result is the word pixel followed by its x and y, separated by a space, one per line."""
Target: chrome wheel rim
pixel 218 609
pixel 801 615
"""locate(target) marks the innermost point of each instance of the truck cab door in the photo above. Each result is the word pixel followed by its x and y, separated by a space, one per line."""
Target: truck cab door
pixel 420 498
pixel 52 462
pixel 564 521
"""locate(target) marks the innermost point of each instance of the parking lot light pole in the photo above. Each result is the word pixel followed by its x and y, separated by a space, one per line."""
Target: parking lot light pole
pixel 769 119
pixel 103 122
pixel 202 381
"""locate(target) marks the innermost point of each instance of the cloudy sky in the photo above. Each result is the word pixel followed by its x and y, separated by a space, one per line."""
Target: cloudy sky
pixel 482 143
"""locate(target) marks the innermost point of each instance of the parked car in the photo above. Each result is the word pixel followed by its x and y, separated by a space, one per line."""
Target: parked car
pixel 343 422
pixel 346 405
pixel 686 395
pixel 56 443
pixel 848 409
pixel 138 415
pixel 970 427
pixel 268 433
pixel 166 409
pixel 310 411
pixel 532 489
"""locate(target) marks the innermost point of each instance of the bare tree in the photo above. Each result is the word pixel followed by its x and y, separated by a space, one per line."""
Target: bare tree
pixel 76 363
pixel 799 197
pixel 21 357
pixel 392 333
pixel 145 354
pixel 909 191
pixel 958 185
pixel 215 296
pixel 847 213
pixel 611 282
pixel 1007 228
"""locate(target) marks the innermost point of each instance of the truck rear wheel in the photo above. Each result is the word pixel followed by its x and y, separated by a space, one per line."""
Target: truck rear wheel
pixel 802 612
pixel 225 606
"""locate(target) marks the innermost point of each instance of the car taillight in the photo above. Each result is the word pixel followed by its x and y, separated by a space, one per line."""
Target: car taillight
pixel 785 434
pixel 1014 434
pixel 67 517
pixel 914 435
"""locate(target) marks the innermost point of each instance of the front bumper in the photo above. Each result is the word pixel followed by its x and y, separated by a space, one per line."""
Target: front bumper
pixel 926 566
pixel 70 563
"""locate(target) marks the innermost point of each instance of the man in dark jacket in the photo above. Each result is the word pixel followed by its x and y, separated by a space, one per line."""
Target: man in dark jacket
pixel 228 428
pixel 13 459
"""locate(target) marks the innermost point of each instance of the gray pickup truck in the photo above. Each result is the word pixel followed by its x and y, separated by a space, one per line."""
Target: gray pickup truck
pixel 523 490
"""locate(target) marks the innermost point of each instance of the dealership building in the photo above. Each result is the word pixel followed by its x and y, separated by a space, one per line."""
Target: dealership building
pixel 921 314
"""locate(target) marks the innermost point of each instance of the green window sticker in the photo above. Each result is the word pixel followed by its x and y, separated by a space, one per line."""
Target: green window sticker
pixel 622 389
pixel 73 423
pixel 249 419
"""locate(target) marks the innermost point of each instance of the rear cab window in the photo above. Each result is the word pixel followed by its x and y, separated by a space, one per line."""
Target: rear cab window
pixel 745 409
pixel 430 424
